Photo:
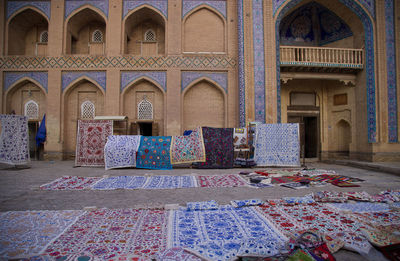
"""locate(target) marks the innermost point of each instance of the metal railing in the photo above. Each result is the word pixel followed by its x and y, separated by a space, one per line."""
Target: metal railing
pixel 325 56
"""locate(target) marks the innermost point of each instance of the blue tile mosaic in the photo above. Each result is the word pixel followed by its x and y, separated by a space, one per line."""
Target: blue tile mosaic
pixel 128 77
pixel 10 78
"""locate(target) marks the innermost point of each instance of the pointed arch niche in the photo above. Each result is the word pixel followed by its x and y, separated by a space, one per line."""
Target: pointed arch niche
pixel 24 92
pixel 147 95
pixel 210 37
pixel 144 32
pixel 82 99
pixel 85 32
pixel 204 104
pixel 24 31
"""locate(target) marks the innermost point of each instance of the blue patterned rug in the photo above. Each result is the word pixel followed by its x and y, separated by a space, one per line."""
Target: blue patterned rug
pixel 121 182
pixel 277 145
pixel 142 182
pixel 223 233
pixel 154 153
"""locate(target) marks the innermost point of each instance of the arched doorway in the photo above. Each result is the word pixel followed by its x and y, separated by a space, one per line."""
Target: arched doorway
pixel 143 103
pixel 203 105
pixel 28 98
pixel 27 33
pixel 144 33
pixel 343 138
pixel 82 100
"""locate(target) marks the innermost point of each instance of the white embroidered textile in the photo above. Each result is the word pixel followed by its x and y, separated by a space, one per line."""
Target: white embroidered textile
pixel 277 145
pixel 120 151
pixel 14 140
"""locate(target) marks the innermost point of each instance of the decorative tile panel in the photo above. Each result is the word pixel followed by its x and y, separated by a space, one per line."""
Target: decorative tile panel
pixel 259 63
pixel 369 65
pixel 189 5
pixel 391 71
pixel 11 78
pixel 161 5
pixel 14 6
pixel 123 62
pixel 368 4
pixel 72 5
pixel 128 77
pixel 299 27
pixel 219 77
pixel 241 64
pixel 68 77
pixel 369 54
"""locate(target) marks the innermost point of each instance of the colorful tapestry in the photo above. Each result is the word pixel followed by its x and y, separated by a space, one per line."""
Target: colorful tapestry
pixel 90 141
pixel 26 233
pixel 170 182
pixel 154 153
pixel 277 145
pixel 189 148
pixel 14 139
pixel 71 183
pixel 321 217
pixel 330 196
pixel 120 151
pixel 106 233
pixel 218 234
pixel 218 143
pixel 216 181
pixel 121 182
pixel 386 218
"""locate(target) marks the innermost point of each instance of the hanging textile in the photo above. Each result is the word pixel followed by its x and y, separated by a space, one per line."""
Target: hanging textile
pixel 90 141
pixel 277 145
pixel 41 134
pixel 120 151
pixel 189 148
pixel 218 143
pixel 14 140
pixel 154 152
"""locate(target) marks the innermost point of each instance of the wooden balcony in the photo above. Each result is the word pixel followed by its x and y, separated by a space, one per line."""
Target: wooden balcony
pixel 325 57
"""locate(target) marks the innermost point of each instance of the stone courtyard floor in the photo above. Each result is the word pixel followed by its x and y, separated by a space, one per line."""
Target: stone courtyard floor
pixel 19 189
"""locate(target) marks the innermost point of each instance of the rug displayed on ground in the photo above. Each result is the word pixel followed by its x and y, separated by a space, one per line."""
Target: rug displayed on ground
pixel 71 183
pixel 189 148
pixel 14 139
pixel 26 233
pixel 277 145
pixel 214 181
pixel 321 217
pixel 219 234
pixel 218 143
pixel 120 151
pixel 105 233
pixel 90 141
pixel 154 152
pixel 143 182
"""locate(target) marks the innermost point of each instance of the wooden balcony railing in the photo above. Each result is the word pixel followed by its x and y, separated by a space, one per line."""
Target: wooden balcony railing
pixel 320 56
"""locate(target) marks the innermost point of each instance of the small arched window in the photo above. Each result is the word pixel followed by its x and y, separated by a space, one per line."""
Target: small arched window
pixel 32 110
pixel 145 110
pixel 44 37
pixel 97 36
pixel 87 110
pixel 149 36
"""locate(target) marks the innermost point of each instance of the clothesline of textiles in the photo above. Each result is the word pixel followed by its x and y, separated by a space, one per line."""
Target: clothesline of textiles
pixel 203 147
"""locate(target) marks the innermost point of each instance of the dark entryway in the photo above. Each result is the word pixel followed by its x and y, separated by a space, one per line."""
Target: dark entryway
pixel 309 135
pixel 146 128
pixel 35 152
